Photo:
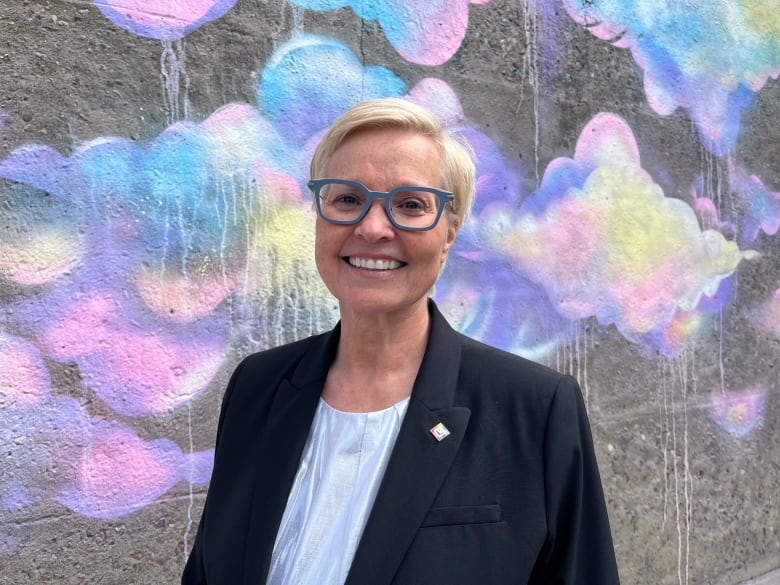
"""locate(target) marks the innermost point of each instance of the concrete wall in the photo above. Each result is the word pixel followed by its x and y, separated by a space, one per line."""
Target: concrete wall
pixel 154 227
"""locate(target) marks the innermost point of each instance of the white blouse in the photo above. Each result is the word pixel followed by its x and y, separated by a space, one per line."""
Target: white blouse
pixel 341 468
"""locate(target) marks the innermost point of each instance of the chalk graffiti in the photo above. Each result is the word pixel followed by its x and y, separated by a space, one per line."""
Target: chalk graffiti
pixel 739 412
pixel 603 241
pixel 427 33
pixel 708 59
pixel 161 19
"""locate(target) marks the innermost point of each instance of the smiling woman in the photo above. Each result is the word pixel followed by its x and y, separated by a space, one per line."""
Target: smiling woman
pixel 393 450
pixel 384 159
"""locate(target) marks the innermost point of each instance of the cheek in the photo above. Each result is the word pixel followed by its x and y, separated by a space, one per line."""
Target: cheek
pixel 328 241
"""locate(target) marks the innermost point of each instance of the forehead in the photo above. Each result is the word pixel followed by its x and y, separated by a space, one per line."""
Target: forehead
pixel 388 156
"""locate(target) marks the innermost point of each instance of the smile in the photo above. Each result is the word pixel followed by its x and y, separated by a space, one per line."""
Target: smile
pixel 372 264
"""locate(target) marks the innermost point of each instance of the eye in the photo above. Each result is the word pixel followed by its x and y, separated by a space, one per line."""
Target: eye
pixel 413 202
pixel 347 199
pixel 343 197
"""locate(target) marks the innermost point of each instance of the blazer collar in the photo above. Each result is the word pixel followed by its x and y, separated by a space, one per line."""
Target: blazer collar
pixel 279 447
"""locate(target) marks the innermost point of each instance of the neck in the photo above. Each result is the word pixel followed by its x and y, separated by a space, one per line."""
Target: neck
pixel 377 359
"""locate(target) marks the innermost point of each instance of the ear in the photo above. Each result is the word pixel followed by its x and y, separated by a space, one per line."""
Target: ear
pixel 452 233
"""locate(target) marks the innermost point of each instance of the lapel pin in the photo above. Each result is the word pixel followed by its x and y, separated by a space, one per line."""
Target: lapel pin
pixel 440 432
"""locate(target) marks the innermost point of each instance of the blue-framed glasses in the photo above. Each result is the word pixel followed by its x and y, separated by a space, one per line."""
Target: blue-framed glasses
pixel 408 207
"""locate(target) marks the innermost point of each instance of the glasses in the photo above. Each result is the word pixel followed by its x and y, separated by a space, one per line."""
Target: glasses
pixel 409 207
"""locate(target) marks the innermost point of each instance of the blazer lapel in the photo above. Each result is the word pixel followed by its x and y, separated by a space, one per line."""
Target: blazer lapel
pixel 419 462
pixel 282 442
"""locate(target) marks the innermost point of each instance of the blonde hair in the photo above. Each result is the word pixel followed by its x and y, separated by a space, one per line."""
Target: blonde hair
pixel 458 172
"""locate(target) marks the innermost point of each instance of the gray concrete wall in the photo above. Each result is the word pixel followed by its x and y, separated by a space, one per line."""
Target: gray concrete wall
pixel 154 228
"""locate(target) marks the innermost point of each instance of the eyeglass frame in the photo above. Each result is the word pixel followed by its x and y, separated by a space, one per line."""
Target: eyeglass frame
pixel 315 185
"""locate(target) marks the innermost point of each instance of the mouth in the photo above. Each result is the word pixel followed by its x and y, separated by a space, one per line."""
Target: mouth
pixel 374 263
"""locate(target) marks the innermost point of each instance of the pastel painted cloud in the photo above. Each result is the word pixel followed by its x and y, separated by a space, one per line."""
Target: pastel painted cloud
pixel 602 239
pixel 427 33
pixel 119 473
pixel 708 58
pixel 173 247
pixel 309 81
pixel 97 468
pixel 162 19
pixel 167 233
pixel 738 413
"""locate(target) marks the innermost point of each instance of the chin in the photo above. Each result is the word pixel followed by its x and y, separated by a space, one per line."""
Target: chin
pixel 377 305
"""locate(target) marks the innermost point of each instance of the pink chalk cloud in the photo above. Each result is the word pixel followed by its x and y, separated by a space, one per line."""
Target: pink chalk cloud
pixel 136 370
pixel 118 473
pixel 162 19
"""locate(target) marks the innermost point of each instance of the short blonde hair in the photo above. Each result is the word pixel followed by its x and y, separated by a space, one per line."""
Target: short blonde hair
pixel 458 171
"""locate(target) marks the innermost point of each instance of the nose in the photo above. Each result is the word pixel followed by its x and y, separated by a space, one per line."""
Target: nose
pixel 375 225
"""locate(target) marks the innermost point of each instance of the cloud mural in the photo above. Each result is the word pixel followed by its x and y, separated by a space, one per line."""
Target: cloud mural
pixel 708 59
pixel 602 240
pixel 134 273
pixel 143 266
pixel 427 33
pixel 140 265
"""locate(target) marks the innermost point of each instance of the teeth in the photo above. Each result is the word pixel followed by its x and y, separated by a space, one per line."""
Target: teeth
pixel 372 264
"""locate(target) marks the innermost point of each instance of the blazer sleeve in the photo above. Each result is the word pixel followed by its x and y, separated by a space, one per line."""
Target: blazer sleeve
pixel 195 570
pixel 578 549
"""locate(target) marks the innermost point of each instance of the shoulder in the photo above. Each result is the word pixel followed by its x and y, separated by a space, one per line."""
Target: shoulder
pixel 494 380
pixel 260 374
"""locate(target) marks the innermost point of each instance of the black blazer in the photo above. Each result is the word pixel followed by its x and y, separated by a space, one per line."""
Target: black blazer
pixel 512 495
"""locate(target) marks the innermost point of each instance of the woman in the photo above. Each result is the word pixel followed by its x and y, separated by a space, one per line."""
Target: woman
pixel 393 449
